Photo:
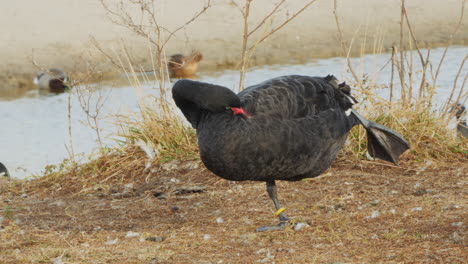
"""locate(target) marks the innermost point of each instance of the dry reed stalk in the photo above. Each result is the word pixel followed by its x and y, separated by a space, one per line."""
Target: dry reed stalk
pixel 401 69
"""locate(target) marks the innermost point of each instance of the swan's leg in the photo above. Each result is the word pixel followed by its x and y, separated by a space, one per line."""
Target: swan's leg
pixel 271 189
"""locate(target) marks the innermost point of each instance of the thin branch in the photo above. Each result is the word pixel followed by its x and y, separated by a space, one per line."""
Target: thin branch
pixel 392 74
pixel 449 42
pixel 343 44
pixel 401 70
pixel 244 44
pixel 266 17
pixel 208 5
pixel 238 7
pixel 448 103
pixel 286 21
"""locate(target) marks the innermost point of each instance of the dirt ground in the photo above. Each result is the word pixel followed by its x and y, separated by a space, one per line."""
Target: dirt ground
pixel 355 213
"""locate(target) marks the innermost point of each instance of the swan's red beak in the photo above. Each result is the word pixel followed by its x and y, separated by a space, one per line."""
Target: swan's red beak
pixel 239 111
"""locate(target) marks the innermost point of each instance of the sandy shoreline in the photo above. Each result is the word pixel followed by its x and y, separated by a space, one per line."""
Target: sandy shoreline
pixel 62 38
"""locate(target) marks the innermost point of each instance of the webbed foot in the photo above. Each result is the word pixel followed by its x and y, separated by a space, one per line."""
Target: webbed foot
pixel 281 226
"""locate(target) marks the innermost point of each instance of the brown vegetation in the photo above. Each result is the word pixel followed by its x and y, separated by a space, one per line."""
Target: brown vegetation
pixel 354 213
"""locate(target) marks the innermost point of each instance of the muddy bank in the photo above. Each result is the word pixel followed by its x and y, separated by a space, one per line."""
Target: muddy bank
pixel 62 39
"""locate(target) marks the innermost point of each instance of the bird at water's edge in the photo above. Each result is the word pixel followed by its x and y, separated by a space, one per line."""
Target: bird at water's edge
pixel 462 128
pixel 288 128
pixel 181 66
pixel 52 80
pixel 3 170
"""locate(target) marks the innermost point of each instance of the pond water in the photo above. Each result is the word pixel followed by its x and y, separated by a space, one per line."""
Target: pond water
pixel 34 129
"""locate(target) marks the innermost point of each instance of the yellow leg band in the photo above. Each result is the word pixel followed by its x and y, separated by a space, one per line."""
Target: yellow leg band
pixel 280 211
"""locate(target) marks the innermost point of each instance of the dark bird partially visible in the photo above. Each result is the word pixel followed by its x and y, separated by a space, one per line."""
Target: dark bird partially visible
pixel 288 128
pixel 462 129
pixel 3 170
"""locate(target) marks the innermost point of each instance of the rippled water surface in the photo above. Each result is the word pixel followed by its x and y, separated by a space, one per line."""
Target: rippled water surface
pixel 34 130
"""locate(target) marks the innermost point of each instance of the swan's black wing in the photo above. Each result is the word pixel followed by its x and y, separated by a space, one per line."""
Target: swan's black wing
pixel 295 96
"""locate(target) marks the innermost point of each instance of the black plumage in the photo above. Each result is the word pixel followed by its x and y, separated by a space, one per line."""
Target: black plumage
pixel 287 128
pixel 3 170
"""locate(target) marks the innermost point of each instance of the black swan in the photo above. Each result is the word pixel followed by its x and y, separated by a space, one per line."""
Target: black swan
pixel 288 128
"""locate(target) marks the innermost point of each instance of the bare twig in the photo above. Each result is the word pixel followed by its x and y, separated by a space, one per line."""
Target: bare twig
pixel 245 39
pixel 401 70
pixel 248 50
pixel 70 136
pixel 450 40
pixel 392 74
pixel 151 30
pixel 344 47
pixel 266 17
pixel 449 103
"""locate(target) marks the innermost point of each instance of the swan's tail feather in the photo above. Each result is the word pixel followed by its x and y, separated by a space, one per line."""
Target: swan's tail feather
pixel 383 142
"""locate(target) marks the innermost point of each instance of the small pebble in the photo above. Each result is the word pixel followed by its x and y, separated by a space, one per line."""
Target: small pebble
pixel 112 242
pixel 132 234
pixel 299 226
pixel 374 214
pixel 206 237
pixel 219 220
pixel 57 261
pixel 416 209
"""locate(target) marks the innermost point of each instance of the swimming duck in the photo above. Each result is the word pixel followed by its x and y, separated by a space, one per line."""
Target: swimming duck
pixel 287 128
pixel 181 66
pixel 53 80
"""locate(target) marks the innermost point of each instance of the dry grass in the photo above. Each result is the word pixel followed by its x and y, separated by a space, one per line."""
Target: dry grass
pixel 430 136
pixel 360 213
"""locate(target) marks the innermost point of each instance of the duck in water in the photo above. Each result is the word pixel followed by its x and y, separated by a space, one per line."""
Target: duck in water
pixel 53 80
pixel 181 66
